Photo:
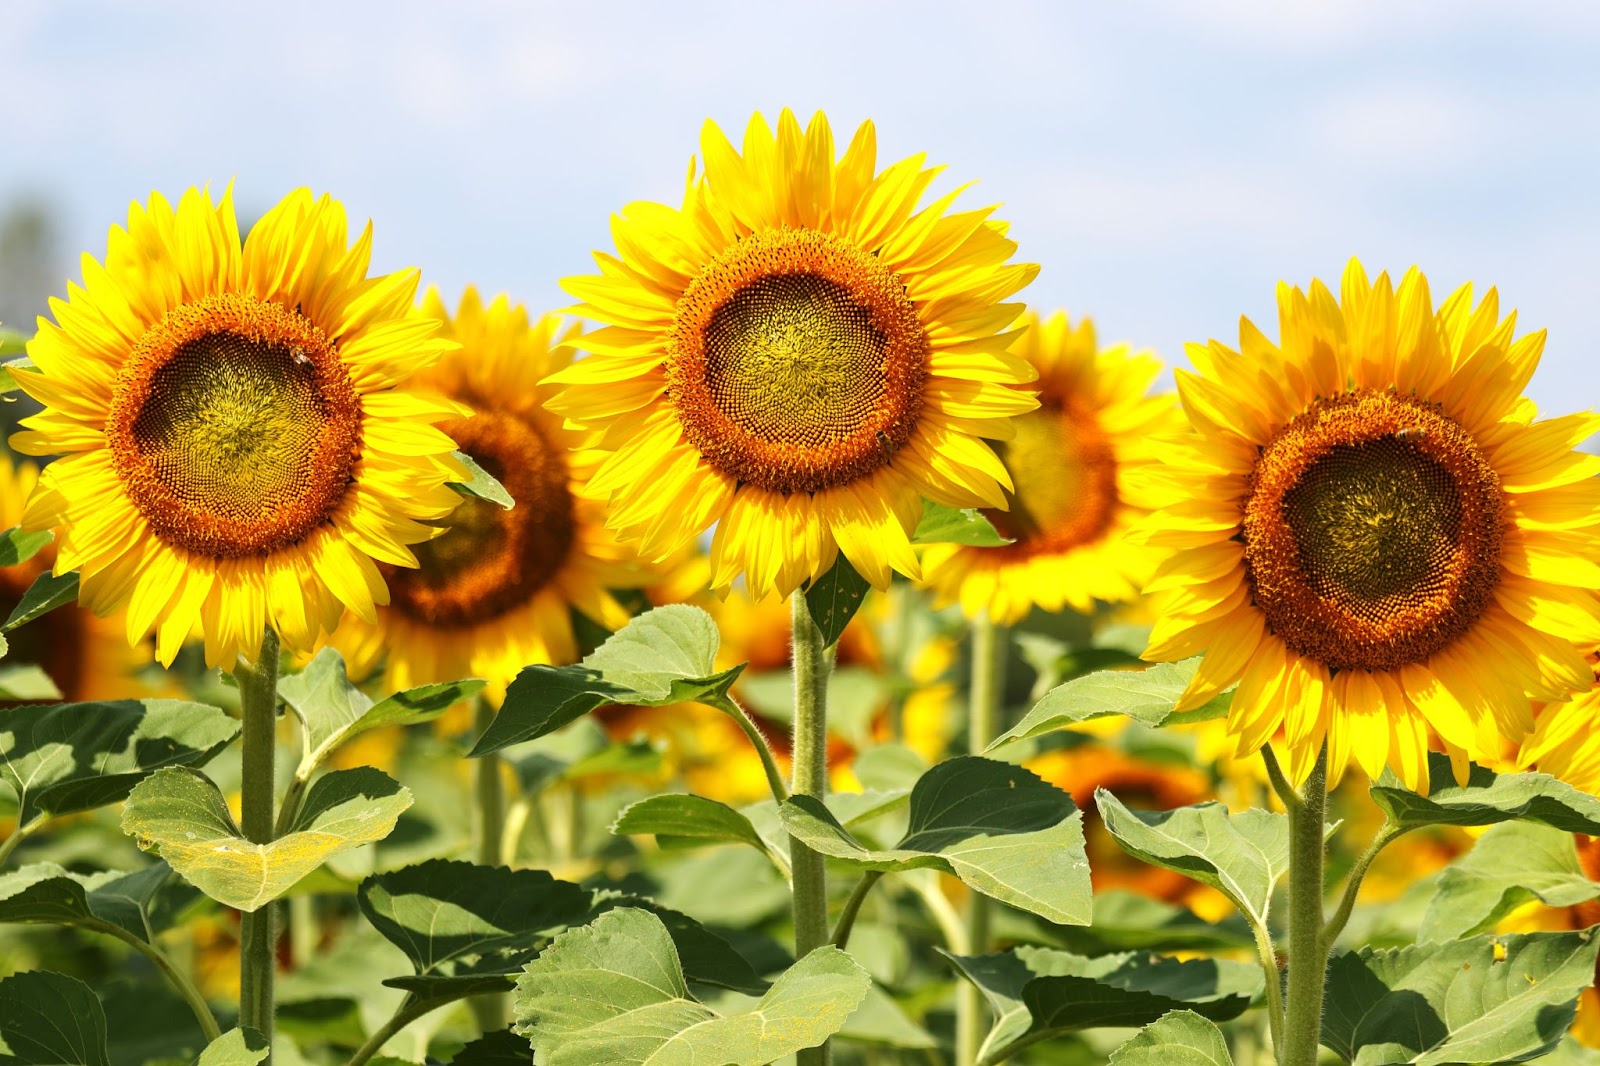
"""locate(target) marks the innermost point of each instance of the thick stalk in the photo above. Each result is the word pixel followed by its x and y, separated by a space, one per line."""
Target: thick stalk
pixel 258 707
pixel 490 1009
pixel 811 667
pixel 1308 955
pixel 983 725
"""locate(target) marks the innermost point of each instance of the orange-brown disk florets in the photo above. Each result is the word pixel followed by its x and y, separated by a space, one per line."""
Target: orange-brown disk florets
pixel 796 361
pixel 1065 475
pixel 234 426
pixel 1372 531
pixel 492 561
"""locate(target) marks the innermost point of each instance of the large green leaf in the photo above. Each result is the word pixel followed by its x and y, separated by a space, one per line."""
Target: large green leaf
pixel 17 546
pixel 1182 1038
pixel 1481 1000
pixel 1038 991
pixel 75 756
pixel 499 1048
pixel 1241 855
pixel 661 657
pixel 47 592
pixel 685 818
pixel 1511 864
pixel 1487 798
pixel 142 903
pixel 998 827
pixel 480 484
pixel 706 958
pixel 49 1019
pixel 27 682
pixel 468 928
pixel 834 598
pixel 334 711
pixel 183 815
pixel 614 991
pixel 955 525
pixel 1147 696
pixel 236 1047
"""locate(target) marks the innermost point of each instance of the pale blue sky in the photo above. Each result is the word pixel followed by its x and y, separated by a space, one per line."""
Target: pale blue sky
pixel 1165 162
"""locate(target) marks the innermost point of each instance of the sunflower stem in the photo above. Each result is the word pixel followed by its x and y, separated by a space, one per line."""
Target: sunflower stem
pixel 489 1009
pixel 1308 953
pixel 258 707
pixel 811 668
pixel 983 725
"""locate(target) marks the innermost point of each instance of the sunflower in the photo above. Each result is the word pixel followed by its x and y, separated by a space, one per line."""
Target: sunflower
pixel 495 593
pixel 86 657
pixel 1075 496
pixel 1376 539
pixel 236 452
pixel 1564 741
pixel 798 355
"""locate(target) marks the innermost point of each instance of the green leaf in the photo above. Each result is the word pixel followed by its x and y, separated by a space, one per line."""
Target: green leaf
pixel 614 992
pixel 998 827
pixel 955 525
pixel 1487 798
pixel 17 546
pixel 1035 991
pixel 480 483
pixel 880 1021
pixel 43 596
pixel 499 1048
pixel 334 711
pixel 8 369
pixel 834 598
pixel 49 1019
pixel 76 756
pixel 661 657
pixel 706 958
pixel 680 817
pixel 142 903
pixel 1147 696
pixel 183 815
pixel 236 1047
pixel 29 682
pixel 1129 921
pixel 1481 1000
pixel 1240 855
pixel 1511 864
pixel 1182 1038
pixel 468 928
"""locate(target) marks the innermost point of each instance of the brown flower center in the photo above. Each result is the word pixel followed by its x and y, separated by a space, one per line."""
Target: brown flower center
pixel 492 561
pixel 234 427
pixel 1372 531
pixel 1065 477
pixel 796 362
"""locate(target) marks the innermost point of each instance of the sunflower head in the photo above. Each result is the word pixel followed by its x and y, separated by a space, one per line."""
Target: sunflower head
pixel 1376 539
pixel 236 451
pixel 496 590
pixel 1076 492
pixel 798 355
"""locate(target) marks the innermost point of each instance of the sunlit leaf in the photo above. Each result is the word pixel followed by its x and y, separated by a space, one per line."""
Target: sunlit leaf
pixel 183 815
pixel 49 1019
pixel 687 818
pixel 1511 864
pixel 661 657
pixel 75 756
pixel 1480 1000
pixel 996 826
pixel 141 903
pixel 1147 696
pixel 480 483
pixel 614 991
pixel 1487 798
pixel 43 596
pixel 955 525
pixel 236 1047
pixel 17 546
pixel 1182 1038
pixel 1036 991
pixel 27 682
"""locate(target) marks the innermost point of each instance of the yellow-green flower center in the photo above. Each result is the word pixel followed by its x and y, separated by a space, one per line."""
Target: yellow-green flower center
pixel 796 362
pixel 234 427
pixel 1372 531
pixel 492 561
pixel 1065 478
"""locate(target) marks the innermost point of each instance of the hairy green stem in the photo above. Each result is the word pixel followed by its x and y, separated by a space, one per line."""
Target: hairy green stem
pixel 258 707
pixel 811 668
pixel 183 986
pixel 983 725
pixel 1352 886
pixel 1308 955
pixel 769 762
pixel 1268 954
pixel 852 907
pixel 490 1009
pixel 18 835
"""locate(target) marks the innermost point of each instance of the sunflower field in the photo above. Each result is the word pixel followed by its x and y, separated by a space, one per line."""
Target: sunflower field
pixel 800 648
